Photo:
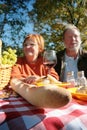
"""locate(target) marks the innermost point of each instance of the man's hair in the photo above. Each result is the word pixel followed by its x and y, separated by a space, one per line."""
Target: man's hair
pixel 70 27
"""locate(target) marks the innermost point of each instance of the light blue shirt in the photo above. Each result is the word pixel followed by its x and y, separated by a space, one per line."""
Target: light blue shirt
pixel 70 65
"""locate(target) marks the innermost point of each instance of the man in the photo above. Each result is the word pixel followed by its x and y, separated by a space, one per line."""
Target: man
pixel 72 58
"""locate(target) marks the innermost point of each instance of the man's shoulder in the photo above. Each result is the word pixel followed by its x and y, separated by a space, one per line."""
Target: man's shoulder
pixel 61 53
pixel 84 53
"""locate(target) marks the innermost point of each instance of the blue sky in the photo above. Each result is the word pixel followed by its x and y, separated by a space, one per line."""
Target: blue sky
pixel 28 26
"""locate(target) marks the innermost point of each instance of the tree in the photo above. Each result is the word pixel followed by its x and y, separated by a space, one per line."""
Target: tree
pixel 51 16
pixel 14 18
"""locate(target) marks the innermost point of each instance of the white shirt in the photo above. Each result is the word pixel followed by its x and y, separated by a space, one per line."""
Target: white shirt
pixel 70 65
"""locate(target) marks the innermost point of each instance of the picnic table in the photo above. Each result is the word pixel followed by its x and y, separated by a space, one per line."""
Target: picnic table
pixel 18 114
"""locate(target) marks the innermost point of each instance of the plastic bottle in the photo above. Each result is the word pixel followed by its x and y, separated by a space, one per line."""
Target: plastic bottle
pixel 70 78
pixel 81 80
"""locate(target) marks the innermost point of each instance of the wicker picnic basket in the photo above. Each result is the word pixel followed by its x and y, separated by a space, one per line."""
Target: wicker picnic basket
pixel 5 72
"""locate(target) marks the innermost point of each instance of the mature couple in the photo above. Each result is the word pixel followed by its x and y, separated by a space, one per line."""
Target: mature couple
pixel 30 67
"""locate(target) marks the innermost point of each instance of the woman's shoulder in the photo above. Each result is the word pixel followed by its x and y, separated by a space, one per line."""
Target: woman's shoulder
pixel 20 59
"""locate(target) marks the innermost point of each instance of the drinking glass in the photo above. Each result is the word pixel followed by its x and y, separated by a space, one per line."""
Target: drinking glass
pixel 49 59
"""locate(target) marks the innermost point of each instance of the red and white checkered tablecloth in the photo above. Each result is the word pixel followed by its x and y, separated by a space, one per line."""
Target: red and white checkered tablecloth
pixel 18 114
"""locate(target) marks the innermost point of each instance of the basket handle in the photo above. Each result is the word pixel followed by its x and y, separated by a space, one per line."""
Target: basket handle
pixel 0 51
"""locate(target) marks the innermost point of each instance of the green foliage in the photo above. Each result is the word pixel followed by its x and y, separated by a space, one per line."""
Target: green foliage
pixel 13 19
pixel 19 51
pixel 51 16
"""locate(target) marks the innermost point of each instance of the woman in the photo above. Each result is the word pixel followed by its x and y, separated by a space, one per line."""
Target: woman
pixel 31 65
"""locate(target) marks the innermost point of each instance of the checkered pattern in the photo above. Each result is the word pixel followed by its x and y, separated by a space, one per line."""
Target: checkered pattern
pixel 18 114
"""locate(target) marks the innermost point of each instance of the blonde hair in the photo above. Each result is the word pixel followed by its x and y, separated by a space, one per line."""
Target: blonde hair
pixel 38 38
pixel 70 27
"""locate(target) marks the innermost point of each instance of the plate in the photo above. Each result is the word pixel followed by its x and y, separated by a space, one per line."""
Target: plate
pixel 63 84
pixel 66 85
pixel 80 96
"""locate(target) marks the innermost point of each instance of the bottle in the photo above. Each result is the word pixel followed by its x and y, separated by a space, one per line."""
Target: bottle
pixel 70 78
pixel 81 80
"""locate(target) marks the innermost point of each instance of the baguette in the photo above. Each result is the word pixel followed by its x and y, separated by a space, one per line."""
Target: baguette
pixel 47 80
pixel 53 80
pixel 50 96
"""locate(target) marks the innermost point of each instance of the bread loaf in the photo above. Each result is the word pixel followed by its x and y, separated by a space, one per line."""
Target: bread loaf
pixel 50 96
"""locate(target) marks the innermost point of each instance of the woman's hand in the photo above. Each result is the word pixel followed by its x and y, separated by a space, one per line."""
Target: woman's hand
pixel 31 79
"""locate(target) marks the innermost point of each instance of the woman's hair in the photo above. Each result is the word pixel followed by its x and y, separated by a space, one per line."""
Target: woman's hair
pixel 38 38
pixel 70 27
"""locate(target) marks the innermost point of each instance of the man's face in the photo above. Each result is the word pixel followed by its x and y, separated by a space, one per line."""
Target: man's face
pixel 72 39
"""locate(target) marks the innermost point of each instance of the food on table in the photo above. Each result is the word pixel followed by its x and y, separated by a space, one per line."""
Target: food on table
pixel 48 96
pixel 81 89
pixel 45 80
pixel 9 56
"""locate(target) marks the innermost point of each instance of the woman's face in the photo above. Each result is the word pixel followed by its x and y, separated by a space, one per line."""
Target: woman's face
pixel 31 50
